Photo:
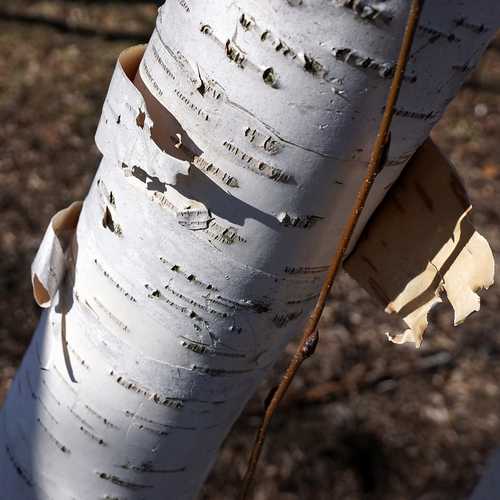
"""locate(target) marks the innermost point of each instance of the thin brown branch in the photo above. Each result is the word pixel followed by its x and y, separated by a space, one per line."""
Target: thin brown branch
pixel 491 86
pixel 310 336
pixel 495 44
pixel 63 26
pixel 338 390
pixel 334 390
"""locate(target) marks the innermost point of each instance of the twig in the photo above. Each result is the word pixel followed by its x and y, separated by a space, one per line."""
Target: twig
pixel 335 390
pixel 63 26
pixel 310 335
pixel 123 2
pixel 495 44
pixel 338 390
pixel 491 86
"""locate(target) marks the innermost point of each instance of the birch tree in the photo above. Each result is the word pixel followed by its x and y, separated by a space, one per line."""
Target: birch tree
pixel 228 171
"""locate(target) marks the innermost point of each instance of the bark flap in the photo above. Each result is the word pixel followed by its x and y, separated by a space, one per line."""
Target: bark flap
pixel 124 135
pixel 421 244
pixel 49 266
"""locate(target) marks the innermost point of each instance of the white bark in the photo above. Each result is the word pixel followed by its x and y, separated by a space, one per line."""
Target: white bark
pixel 186 281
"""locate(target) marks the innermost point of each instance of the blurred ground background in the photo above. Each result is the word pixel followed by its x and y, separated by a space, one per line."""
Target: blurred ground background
pixel 366 419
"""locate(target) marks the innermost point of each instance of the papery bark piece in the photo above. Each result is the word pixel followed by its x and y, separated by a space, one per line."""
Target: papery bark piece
pixel 421 244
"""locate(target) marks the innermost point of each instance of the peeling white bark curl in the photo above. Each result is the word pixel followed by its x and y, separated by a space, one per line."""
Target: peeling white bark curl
pixel 195 262
pixel 421 245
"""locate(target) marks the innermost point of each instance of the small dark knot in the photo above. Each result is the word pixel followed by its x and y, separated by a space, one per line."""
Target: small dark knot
pixel 310 345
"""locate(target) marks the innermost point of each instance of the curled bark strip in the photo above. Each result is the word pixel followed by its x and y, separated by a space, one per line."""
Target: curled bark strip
pixel 125 135
pixel 49 266
pixel 407 277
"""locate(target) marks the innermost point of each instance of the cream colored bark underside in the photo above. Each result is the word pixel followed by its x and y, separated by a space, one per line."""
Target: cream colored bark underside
pixel 421 244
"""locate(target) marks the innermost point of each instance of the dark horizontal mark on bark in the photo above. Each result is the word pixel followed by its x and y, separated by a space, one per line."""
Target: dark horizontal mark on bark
pixel 62 447
pixel 364 10
pixel 20 471
pixel 92 436
pixel 149 467
pixel 135 416
pixel 122 482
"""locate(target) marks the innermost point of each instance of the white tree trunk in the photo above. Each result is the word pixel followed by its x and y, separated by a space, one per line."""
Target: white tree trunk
pixel 193 267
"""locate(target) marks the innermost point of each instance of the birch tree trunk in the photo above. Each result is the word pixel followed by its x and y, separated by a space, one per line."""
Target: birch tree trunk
pixel 204 239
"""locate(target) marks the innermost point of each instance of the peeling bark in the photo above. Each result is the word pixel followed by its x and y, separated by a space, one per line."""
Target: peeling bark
pixel 421 244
